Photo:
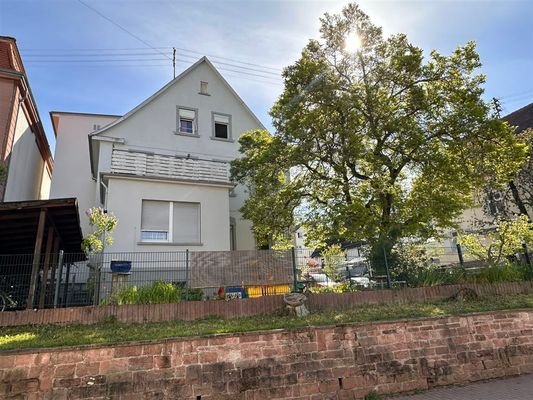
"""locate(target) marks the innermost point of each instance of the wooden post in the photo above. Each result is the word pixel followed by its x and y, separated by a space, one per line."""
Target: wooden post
pixel 47 259
pixel 36 258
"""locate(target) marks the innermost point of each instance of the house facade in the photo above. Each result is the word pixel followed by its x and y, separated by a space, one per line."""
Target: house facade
pixel 163 168
pixel 25 158
pixel 514 198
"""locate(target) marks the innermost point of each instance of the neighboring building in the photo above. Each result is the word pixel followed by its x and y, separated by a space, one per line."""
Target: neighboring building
pixel 299 239
pixel 489 203
pixel 492 203
pixel 25 158
pixel 163 168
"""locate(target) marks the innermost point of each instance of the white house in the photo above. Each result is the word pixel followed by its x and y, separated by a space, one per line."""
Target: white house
pixel 163 168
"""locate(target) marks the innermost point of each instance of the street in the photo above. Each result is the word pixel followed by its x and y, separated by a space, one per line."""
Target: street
pixel 519 388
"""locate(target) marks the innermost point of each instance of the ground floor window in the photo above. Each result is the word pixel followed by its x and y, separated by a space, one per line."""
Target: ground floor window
pixel 170 221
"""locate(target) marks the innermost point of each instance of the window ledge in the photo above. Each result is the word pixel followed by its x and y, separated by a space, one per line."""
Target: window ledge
pixel 222 140
pixel 186 134
pixel 146 243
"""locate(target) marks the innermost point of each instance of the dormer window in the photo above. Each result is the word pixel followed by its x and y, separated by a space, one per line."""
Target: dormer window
pixel 187 121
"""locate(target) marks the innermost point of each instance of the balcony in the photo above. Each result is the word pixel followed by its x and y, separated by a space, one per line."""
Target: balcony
pixel 137 163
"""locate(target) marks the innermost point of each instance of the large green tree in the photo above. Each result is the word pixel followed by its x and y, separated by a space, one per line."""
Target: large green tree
pixel 376 144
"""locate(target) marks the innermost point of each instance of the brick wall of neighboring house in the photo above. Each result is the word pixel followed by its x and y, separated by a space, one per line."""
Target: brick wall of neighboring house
pixel 192 310
pixel 342 362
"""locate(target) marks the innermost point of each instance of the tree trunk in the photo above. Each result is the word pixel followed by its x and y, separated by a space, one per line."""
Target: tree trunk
pixel 518 200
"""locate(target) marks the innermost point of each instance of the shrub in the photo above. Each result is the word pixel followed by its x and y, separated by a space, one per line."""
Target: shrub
pixel 414 265
pixel 333 258
pixel 502 273
pixel 439 276
pixel 496 247
pixel 156 293
pixel 343 287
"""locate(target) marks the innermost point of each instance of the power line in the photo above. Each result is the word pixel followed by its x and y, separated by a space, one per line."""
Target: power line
pixel 230 59
pixel 528 92
pixel 120 57
pixel 82 64
pixel 107 61
pixel 120 27
pixel 39 57
pixel 100 60
pixel 30 50
pixel 70 49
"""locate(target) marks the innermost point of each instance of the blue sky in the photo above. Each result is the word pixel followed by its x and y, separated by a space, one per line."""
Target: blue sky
pixel 70 52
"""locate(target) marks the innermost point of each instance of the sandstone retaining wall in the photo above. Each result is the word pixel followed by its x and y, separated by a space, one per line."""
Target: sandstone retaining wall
pixel 334 362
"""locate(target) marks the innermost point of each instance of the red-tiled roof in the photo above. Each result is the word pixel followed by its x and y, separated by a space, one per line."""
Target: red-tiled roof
pixel 9 55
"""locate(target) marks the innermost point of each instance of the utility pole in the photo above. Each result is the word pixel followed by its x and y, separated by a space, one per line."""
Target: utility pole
pixel 174 61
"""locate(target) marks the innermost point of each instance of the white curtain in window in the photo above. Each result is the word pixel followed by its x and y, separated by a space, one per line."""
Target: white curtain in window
pixel 188 114
pixel 155 215
pixel 186 224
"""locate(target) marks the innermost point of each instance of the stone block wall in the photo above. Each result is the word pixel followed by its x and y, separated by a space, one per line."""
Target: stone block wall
pixel 335 362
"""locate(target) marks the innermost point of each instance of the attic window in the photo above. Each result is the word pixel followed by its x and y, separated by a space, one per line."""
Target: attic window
pixel 203 88
pixel 96 127
pixel 187 121
pixel 221 126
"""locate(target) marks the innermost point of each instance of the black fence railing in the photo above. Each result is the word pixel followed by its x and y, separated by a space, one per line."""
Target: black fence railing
pixel 65 280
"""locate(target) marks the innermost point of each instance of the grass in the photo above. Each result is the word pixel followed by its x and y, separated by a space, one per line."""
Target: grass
pixel 373 396
pixel 113 332
pixel 157 293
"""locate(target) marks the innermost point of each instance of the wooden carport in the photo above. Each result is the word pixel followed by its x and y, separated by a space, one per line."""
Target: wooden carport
pixel 41 228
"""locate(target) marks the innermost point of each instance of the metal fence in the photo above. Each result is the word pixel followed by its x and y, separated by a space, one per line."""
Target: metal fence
pixel 66 280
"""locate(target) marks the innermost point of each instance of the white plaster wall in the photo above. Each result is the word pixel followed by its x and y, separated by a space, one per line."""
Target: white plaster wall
pixel 299 241
pixel 72 170
pixel 26 165
pixel 153 128
pixel 46 182
pixel 125 197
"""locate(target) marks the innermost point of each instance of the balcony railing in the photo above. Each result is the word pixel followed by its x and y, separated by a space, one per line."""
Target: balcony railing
pixel 170 167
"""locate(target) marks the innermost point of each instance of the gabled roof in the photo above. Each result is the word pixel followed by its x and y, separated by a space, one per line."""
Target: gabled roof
pixel 522 118
pixel 204 59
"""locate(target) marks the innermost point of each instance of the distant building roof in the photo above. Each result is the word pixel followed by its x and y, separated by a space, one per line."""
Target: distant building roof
pixel 522 118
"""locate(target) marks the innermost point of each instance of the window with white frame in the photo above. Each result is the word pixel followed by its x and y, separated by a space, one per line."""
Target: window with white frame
pixel 154 221
pixel 221 126
pixel 187 121
pixel 170 221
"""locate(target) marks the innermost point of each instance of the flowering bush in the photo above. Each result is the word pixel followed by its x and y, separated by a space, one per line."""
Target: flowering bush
pixel 103 223
pixel 498 246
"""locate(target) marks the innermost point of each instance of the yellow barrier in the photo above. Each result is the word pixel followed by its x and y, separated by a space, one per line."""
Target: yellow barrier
pixel 268 290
